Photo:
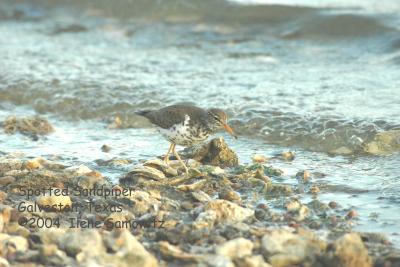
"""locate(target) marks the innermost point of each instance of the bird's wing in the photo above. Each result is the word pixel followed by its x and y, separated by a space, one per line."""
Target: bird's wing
pixel 171 115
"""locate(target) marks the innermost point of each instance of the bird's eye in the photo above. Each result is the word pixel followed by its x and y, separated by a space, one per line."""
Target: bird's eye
pixel 217 119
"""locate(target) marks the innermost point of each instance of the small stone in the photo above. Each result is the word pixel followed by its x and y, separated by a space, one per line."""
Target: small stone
pixel 105 148
pixel 3 196
pixel 351 215
pixel 57 203
pixel 34 164
pixel 314 189
pixel 288 155
pixel 235 248
pixel 333 204
pixel 303 176
pixel 6 180
pixel 229 195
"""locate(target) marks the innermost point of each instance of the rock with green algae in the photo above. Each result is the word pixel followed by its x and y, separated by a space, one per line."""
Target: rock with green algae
pixel 216 153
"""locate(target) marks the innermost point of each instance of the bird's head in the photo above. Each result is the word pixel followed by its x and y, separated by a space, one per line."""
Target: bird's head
pixel 219 119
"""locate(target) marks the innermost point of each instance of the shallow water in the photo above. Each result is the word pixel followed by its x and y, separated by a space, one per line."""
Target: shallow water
pixel 292 77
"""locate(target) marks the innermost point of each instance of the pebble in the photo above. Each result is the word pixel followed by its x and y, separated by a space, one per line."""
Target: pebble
pixel 57 203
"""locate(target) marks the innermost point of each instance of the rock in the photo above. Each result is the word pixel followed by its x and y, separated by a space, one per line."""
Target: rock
pixel 252 261
pixel 193 186
pixel 288 155
pixel 143 203
pixel 347 251
pixel 283 248
pixel 384 143
pixel 114 162
pixel 89 181
pixel 30 125
pixel 303 176
pixel 50 255
pixel 18 243
pixel 229 195
pixel 148 173
pixel 216 153
pixel 235 248
pixel 201 196
pixel 341 151
pixel 78 170
pixel 169 251
pixel 4 262
pixel 86 242
pixel 34 164
pixel 161 166
pixel 333 204
pixel 6 180
pixel 56 203
pixel 218 261
pixel 105 148
pixel 3 196
pixel 314 189
pixel 51 235
pixel 129 252
pixel 351 215
pixel 9 164
pixel 297 211
pixel 15 229
pixel 221 211
pixel 277 190
pixel 259 158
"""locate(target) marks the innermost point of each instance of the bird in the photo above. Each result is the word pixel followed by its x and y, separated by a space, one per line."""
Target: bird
pixel 186 125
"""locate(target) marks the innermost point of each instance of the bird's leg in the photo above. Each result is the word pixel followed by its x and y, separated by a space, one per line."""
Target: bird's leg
pixel 166 158
pixel 180 160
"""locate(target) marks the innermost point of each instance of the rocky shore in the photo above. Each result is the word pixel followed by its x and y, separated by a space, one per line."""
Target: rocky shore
pixel 222 214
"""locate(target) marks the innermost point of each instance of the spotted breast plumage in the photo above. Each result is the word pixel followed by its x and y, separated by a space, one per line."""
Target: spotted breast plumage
pixel 186 125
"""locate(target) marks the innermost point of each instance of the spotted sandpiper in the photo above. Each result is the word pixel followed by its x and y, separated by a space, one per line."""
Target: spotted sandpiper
pixel 186 125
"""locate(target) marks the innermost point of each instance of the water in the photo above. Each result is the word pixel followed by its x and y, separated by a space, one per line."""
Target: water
pixel 302 75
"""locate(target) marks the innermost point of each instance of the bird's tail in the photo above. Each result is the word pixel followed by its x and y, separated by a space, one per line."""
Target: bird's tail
pixel 143 113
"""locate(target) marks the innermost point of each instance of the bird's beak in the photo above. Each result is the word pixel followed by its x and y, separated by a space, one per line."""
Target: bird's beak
pixel 229 130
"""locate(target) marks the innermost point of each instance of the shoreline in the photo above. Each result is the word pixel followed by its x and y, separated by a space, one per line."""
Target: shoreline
pixel 180 219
